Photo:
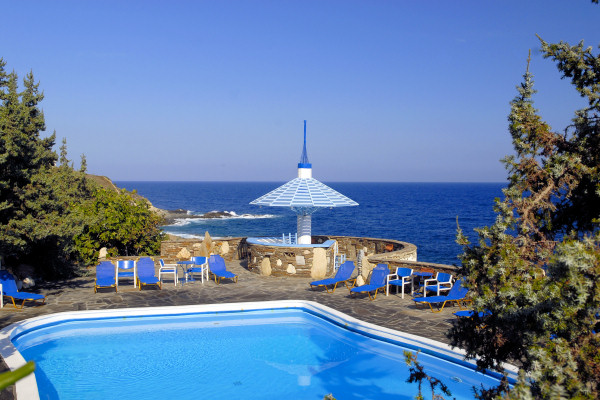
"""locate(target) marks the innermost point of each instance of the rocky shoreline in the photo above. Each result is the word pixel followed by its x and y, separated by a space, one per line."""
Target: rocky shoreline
pixel 171 215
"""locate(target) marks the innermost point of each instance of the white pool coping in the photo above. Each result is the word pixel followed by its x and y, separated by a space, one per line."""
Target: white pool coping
pixel 27 387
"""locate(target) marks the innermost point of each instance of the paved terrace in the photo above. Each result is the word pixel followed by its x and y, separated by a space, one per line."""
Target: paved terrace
pixel 391 312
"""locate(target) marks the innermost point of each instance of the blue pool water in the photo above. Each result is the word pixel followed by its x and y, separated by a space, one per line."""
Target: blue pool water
pixel 269 354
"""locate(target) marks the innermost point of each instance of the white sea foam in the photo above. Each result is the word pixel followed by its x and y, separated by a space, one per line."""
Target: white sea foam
pixel 194 219
pixel 232 215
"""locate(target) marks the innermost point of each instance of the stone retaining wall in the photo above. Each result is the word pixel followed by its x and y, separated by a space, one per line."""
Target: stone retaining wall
pixel 314 262
pixel 229 248
pixel 299 261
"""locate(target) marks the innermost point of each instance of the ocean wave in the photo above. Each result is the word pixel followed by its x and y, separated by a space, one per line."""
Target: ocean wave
pixel 197 218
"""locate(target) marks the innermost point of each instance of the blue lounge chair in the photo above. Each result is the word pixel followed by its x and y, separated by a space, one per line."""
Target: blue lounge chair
pixel 145 273
pixel 9 289
pixel 342 276
pixel 219 270
pixel 200 266
pixel 471 313
pixel 106 276
pixel 377 281
pixel 402 277
pixel 456 295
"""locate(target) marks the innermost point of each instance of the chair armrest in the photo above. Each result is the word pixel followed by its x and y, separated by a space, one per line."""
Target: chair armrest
pixel 430 281
pixel 449 284
pixel 392 277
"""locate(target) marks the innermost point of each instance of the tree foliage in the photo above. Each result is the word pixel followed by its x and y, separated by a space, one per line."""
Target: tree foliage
pixel 53 217
pixel 124 225
pixel 537 268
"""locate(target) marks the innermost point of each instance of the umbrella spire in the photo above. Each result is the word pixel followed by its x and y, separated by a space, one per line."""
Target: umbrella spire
pixel 304 157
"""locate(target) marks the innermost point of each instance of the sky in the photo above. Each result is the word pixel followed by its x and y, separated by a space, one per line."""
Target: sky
pixel 392 91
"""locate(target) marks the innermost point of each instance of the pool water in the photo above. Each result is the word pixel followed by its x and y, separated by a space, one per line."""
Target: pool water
pixel 267 354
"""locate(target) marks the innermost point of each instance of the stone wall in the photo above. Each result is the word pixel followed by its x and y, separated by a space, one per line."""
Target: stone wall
pixel 229 248
pixel 314 262
pixel 299 261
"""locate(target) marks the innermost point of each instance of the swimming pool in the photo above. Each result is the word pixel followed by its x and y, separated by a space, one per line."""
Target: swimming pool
pixel 265 350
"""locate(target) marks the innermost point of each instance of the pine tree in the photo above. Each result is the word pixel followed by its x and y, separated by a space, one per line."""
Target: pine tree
pixel 83 165
pixel 62 159
pixel 537 269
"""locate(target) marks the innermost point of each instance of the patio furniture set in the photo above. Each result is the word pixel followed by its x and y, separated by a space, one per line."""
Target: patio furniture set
pixel 424 287
pixel 143 272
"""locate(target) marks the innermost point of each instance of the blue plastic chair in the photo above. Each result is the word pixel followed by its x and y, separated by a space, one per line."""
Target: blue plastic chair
pixel 343 274
pixel 200 267
pixel 456 295
pixel 377 281
pixel 441 282
pixel 145 273
pixel 402 277
pixel 126 269
pixel 219 270
pixel 106 276
pixel 166 269
pixel 9 289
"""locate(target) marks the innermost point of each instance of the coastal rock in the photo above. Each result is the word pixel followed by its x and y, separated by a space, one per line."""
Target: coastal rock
pixel 265 266
pixel 367 267
pixel 319 265
pixel 291 269
pixel 224 248
pixel 28 282
pixel 103 253
pixel 360 280
pixel 184 254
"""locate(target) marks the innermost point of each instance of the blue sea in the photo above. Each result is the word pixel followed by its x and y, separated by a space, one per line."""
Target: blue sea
pixel 424 214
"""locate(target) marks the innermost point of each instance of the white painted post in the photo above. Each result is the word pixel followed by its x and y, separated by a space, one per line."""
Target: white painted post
pixel 304 229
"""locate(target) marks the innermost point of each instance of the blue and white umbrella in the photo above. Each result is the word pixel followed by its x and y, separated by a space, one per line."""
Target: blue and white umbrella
pixel 304 195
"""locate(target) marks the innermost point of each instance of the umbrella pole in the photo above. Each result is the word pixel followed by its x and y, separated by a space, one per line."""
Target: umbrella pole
pixel 304 228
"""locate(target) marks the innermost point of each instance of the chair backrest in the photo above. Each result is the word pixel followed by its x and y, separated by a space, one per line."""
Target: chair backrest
pixel 345 270
pixel 126 264
pixel 8 282
pixel 145 267
pixel 379 274
pixel 161 263
pixel 458 290
pixel 198 260
pixel 443 277
pixel 403 272
pixel 105 269
pixel 216 263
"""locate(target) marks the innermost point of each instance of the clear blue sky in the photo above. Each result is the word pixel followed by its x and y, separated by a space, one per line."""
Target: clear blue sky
pixel 218 90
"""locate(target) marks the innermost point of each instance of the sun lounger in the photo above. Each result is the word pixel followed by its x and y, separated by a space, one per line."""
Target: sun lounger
pixel 456 295
pixel 9 289
pixel 343 275
pixel 217 267
pixel 145 273
pixel 471 313
pixel 377 281
pixel 106 276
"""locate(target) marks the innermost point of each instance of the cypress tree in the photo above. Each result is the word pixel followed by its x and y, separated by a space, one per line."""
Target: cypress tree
pixel 537 268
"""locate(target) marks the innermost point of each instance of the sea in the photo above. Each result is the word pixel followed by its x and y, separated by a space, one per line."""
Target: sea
pixel 424 214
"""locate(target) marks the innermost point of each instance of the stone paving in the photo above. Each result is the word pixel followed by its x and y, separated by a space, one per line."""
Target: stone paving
pixel 391 311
